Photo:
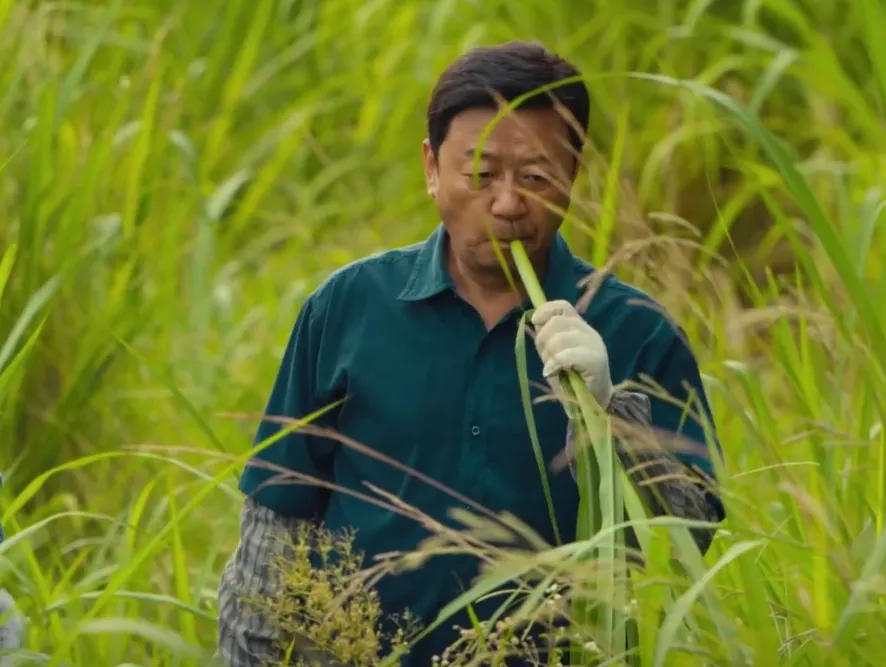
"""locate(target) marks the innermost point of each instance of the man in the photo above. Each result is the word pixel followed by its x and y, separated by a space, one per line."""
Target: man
pixel 415 348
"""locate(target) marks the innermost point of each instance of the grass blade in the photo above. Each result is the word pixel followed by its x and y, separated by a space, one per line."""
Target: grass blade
pixel 523 376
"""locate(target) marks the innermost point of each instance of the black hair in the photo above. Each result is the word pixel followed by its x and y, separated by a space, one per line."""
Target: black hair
pixel 512 69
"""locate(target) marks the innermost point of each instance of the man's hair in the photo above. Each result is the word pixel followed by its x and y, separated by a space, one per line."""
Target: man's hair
pixel 511 70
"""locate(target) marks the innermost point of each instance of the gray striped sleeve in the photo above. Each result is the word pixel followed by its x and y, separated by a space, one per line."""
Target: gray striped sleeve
pixel 670 487
pixel 245 637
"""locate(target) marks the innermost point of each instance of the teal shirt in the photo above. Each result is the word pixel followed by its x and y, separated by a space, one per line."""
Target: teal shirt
pixel 425 383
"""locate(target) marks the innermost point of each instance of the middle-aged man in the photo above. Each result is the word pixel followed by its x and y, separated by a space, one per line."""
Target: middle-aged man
pixel 418 345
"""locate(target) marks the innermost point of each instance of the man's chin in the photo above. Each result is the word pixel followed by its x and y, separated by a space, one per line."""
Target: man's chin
pixel 492 263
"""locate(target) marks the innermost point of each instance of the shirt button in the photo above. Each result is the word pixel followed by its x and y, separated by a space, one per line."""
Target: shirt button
pixel 475 430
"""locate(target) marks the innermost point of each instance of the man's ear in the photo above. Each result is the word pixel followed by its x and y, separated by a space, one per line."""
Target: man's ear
pixel 430 165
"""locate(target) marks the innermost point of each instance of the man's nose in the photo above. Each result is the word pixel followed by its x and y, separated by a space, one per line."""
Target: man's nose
pixel 508 203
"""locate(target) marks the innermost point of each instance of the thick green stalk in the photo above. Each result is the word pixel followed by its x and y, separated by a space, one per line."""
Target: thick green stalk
pixel 600 497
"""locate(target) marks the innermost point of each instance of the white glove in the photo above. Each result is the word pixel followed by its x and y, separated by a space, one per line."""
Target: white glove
pixel 565 342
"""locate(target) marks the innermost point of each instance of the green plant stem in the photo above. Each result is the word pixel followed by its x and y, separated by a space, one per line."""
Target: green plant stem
pixel 600 499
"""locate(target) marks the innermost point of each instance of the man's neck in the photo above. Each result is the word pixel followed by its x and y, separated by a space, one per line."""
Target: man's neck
pixel 489 292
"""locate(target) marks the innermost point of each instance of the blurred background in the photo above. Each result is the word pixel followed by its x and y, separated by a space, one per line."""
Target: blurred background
pixel 175 177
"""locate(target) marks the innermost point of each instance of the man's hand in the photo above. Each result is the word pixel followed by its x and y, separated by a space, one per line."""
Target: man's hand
pixel 566 342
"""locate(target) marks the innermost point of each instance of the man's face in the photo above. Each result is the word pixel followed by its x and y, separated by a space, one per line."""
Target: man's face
pixel 524 163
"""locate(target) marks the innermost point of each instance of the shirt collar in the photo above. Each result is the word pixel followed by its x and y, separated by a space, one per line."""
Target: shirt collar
pixel 429 276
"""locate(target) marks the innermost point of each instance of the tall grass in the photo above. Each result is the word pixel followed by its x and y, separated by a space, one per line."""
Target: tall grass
pixel 176 177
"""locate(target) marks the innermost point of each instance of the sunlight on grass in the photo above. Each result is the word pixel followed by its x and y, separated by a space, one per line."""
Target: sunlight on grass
pixel 176 178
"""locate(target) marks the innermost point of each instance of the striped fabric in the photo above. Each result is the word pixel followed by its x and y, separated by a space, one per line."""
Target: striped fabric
pixel 668 487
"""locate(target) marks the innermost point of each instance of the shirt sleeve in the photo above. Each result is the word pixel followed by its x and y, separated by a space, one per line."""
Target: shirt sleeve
pixel 298 391
pixel 667 485
pixel 247 638
pixel 677 398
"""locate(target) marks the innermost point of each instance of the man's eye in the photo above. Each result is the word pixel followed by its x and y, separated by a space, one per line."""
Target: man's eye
pixel 536 178
pixel 478 179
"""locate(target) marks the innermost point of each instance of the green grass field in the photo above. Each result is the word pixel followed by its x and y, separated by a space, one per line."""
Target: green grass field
pixel 175 177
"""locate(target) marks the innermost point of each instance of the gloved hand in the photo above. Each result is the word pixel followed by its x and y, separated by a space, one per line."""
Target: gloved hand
pixel 566 342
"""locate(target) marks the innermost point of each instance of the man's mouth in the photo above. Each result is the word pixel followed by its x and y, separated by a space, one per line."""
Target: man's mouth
pixel 508 239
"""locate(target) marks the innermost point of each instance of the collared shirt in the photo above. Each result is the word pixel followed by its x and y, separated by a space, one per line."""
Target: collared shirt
pixel 423 382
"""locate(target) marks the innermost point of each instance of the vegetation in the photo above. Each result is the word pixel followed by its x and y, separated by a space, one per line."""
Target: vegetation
pixel 177 176
pixel 323 611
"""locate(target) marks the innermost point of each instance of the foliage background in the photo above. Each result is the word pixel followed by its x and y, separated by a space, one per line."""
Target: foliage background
pixel 177 176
